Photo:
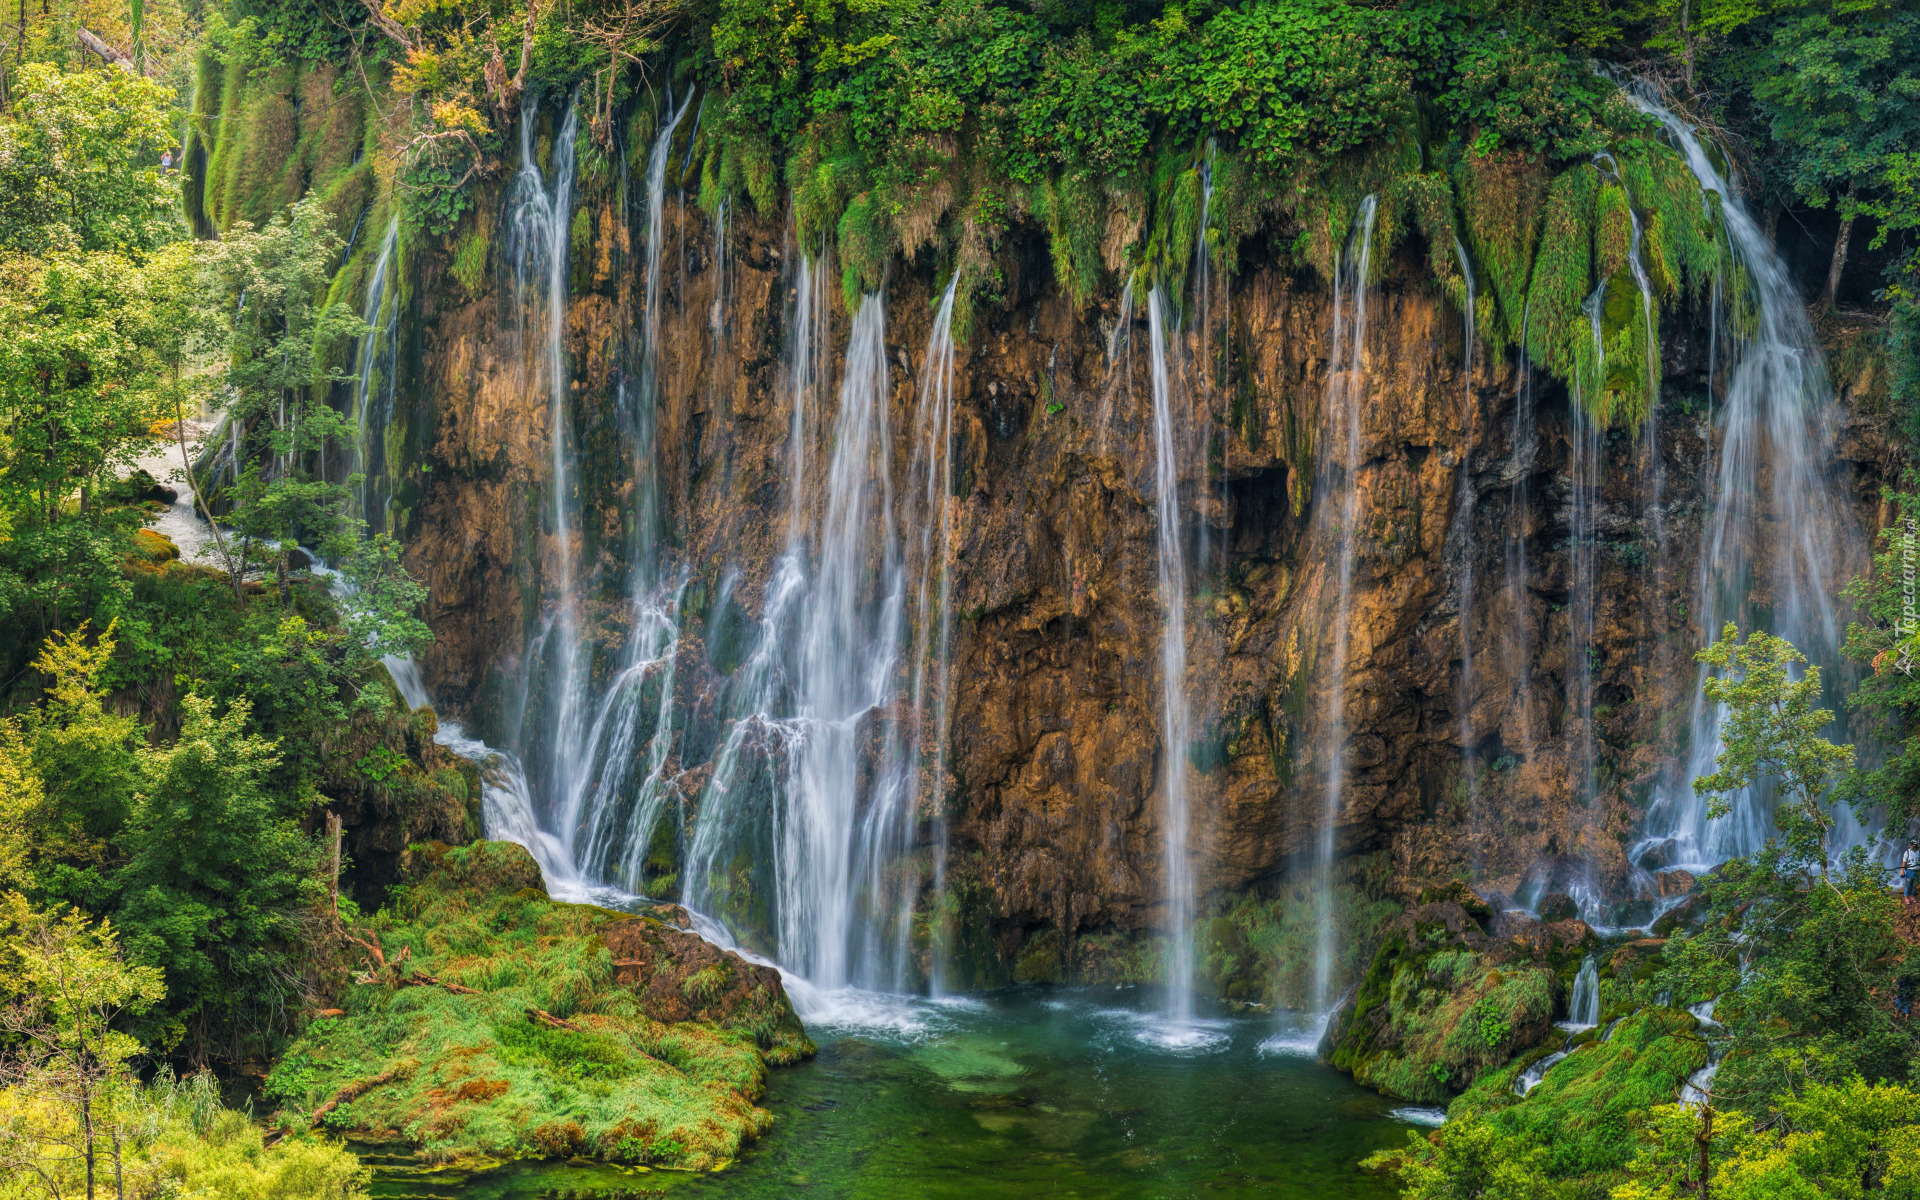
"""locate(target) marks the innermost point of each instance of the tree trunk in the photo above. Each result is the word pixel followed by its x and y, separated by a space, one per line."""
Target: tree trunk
pixel 1839 250
pixel 92 41
pixel 1704 1141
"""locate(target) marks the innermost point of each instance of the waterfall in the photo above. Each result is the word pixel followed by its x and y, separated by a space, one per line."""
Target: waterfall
pixel 1174 720
pixel 1583 501
pixel 1211 360
pixel 537 231
pixel 813 704
pixel 1774 531
pixel 649 393
pixel 731 815
pixel 506 803
pixel 1465 502
pixel 1346 369
pixel 1514 559
pixel 933 617
pixel 618 821
pixel 1583 1007
pixel 378 352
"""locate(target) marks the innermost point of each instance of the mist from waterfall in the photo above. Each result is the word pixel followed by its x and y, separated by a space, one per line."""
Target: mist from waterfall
pixel 1775 528
pixel 1338 500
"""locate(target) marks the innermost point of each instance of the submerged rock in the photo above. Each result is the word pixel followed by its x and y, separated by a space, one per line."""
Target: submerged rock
pixel 486 1021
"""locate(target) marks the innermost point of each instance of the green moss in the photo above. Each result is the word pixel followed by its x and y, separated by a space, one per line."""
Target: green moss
pixel 1502 197
pixel 1072 209
pixel 1581 1110
pixel 472 1075
pixel 1562 272
pixel 469 263
pixel 1040 959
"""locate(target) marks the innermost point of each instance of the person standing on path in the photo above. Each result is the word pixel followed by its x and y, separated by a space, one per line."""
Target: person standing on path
pixel 1910 870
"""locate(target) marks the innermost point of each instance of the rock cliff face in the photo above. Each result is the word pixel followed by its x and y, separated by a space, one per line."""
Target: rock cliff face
pixel 1462 751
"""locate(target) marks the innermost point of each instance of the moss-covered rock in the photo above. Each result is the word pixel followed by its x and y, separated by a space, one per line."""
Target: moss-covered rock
pixel 1446 999
pixel 1579 1112
pixel 490 1022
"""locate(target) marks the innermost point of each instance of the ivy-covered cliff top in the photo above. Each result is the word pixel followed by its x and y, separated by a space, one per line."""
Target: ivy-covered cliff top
pixel 907 128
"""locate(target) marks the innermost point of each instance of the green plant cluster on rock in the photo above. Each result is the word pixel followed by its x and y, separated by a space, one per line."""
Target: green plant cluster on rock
pixel 1445 1001
pixel 492 1022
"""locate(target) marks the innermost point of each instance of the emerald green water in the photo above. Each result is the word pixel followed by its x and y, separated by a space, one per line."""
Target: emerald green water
pixel 1033 1093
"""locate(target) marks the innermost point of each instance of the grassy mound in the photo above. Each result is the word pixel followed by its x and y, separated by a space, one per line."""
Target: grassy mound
pixel 497 1023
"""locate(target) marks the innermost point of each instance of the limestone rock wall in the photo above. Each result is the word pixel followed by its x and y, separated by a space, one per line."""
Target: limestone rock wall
pixel 1055 746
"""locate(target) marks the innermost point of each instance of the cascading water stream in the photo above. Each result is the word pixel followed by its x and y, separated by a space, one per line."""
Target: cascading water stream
pixel 1174 717
pixel 750 759
pixel 810 695
pixel 1339 489
pixel 1774 531
pixel 616 821
pixel 538 218
pixel 1465 503
pixel 1583 1007
pixel 1584 437
pixel 376 361
pixel 1519 468
pixel 933 623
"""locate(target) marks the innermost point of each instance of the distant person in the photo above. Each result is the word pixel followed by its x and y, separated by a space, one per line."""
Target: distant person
pixel 1903 995
pixel 166 161
pixel 1910 870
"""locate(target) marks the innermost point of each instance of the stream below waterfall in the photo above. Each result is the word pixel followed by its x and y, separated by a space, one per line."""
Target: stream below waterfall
pixel 1032 1092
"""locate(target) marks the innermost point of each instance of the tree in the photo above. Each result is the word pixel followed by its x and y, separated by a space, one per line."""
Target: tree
pixel 69 983
pixel 265 315
pixel 1846 1139
pixel 217 872
pixel 79 161
pixel 84 754
pixel 1772 732
pixel 79 375
pixel 1840 89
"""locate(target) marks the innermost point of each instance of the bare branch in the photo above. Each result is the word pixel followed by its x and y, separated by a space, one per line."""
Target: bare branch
pixel 387 25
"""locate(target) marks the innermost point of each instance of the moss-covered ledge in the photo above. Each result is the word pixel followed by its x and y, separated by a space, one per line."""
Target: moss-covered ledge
pixel 496 1023
pixel 1453 992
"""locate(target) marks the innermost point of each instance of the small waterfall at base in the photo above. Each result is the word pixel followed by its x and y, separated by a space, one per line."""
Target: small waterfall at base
pixel 1173 670
pixel 506 803
pixel 1583 1007
pixel 1775 527
pixel 1339 489
pixel 375 366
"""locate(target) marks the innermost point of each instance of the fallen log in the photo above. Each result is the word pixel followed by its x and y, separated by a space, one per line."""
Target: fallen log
pixel 94 42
